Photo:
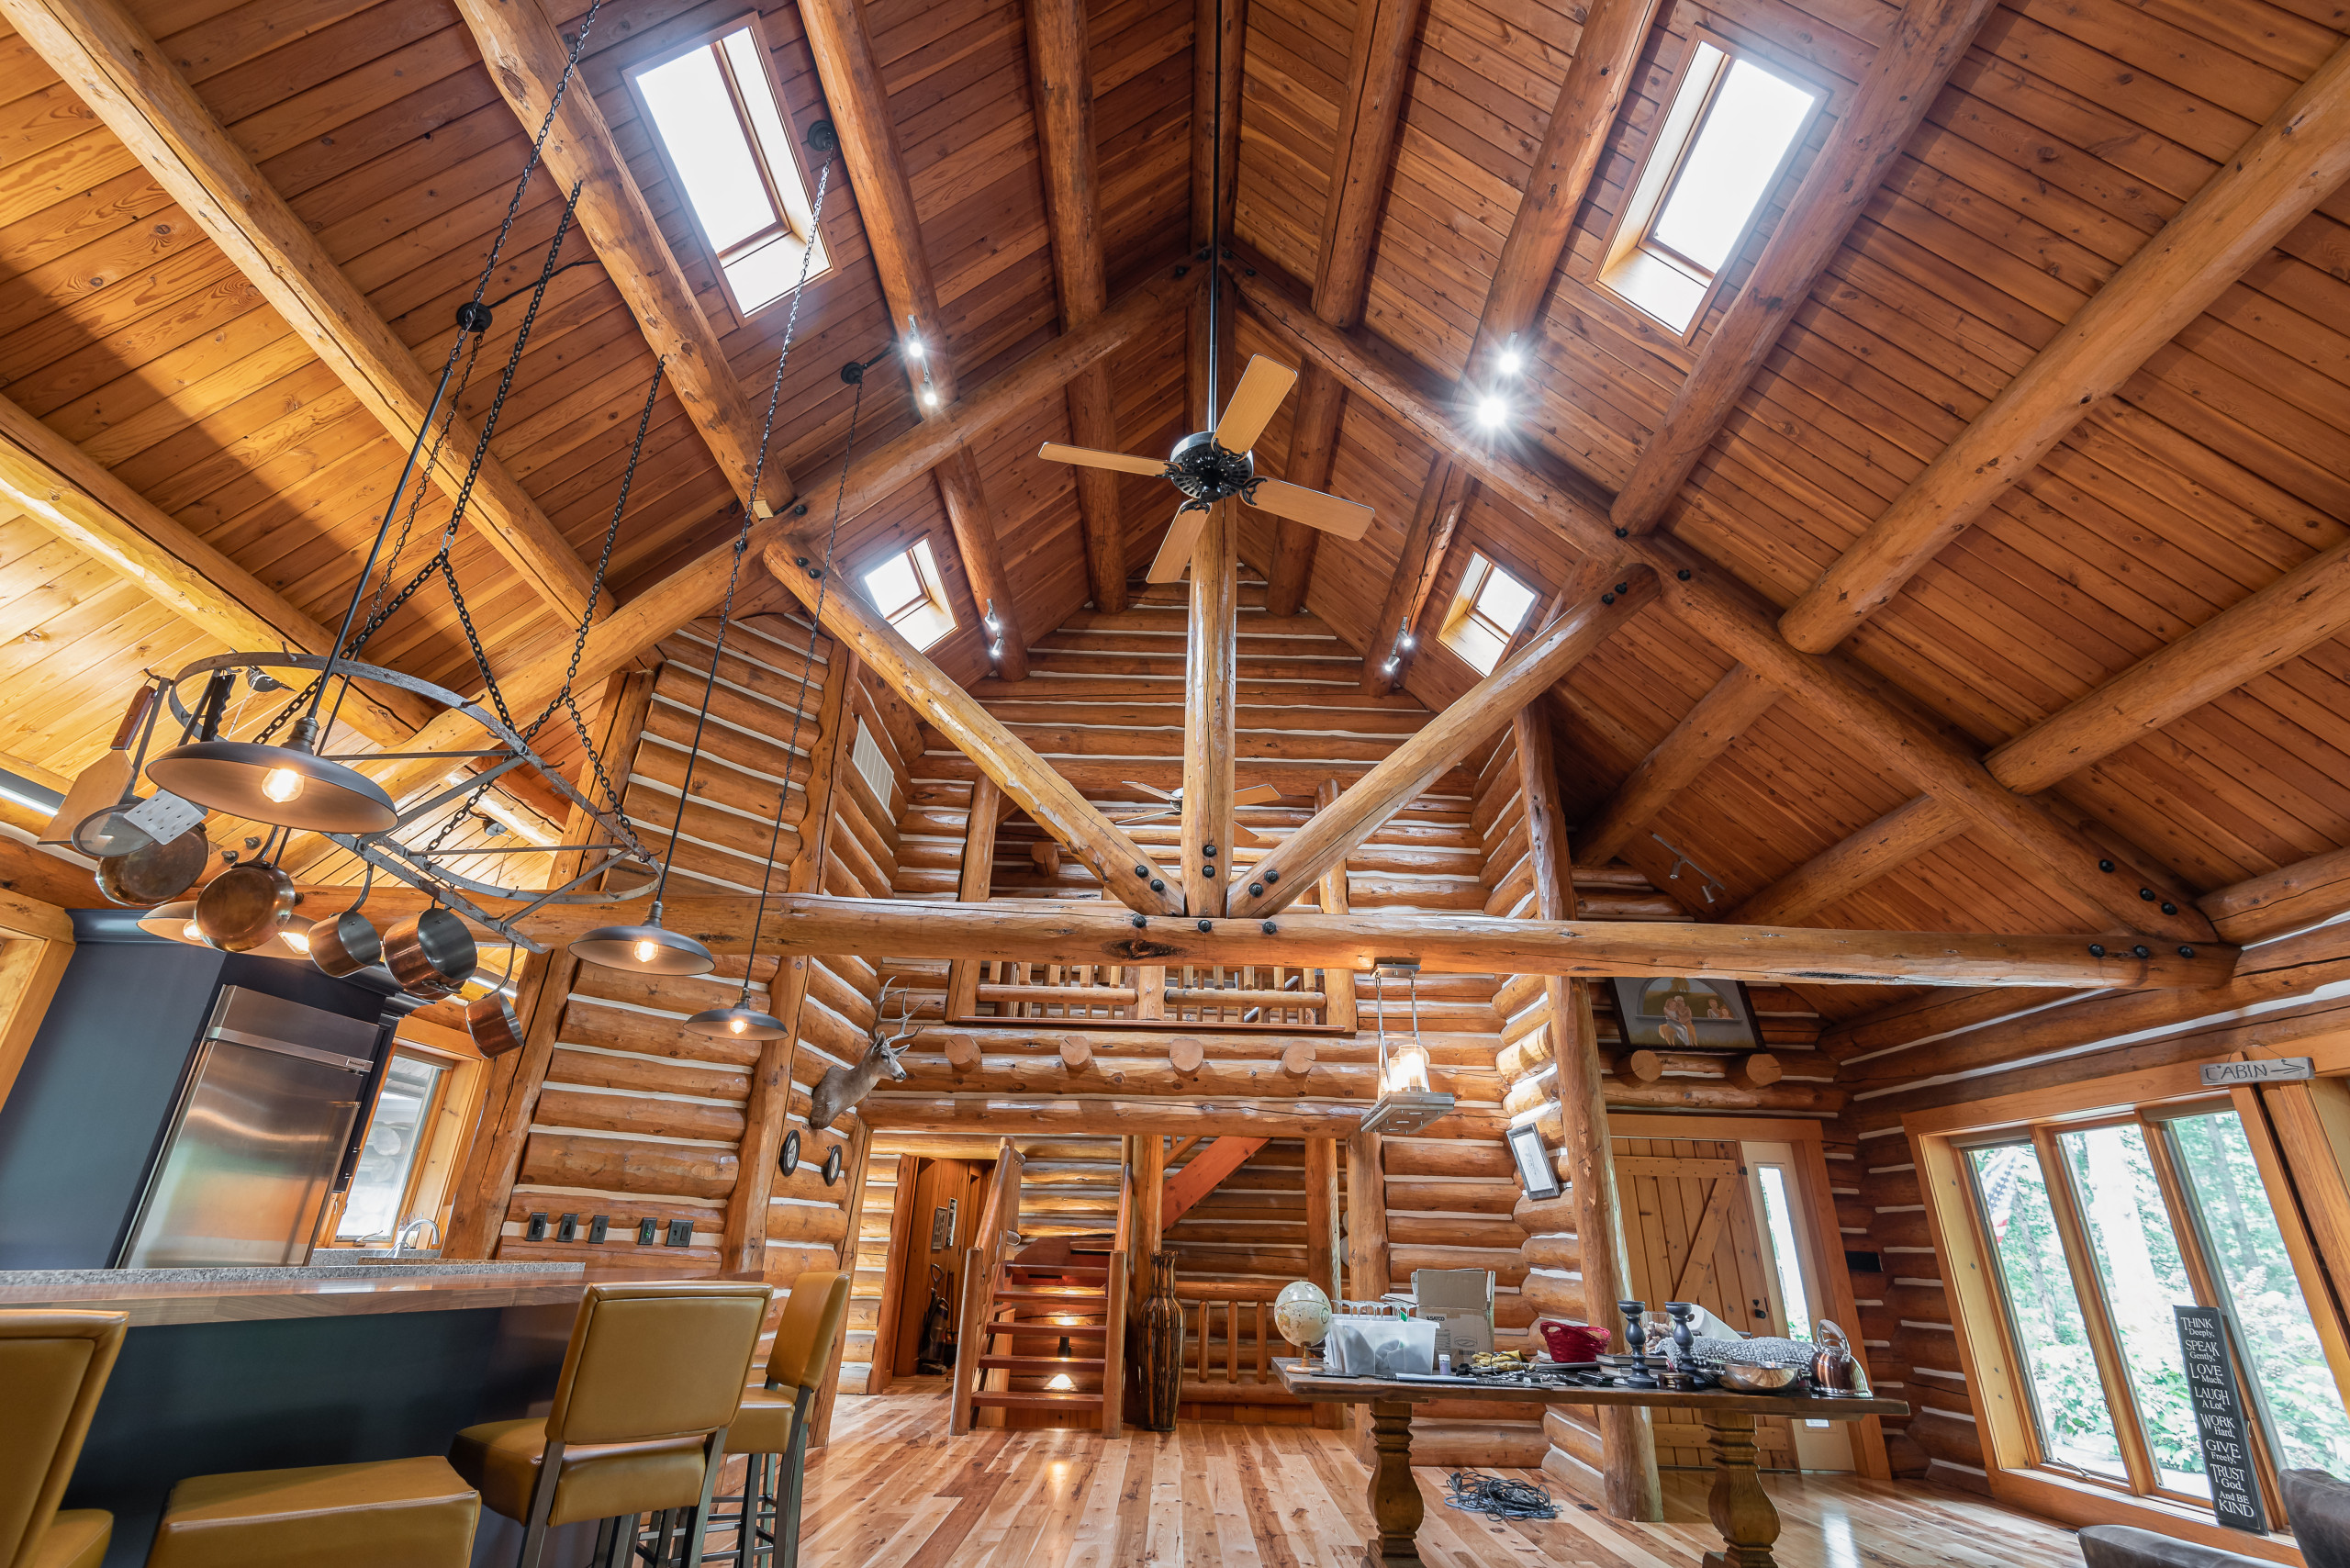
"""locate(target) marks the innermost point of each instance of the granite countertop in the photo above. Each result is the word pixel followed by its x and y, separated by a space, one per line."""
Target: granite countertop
pixel 160 1297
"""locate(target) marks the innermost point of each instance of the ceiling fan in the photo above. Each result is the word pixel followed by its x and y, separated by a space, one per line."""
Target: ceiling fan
pixel 1253 795
pixel 1215 464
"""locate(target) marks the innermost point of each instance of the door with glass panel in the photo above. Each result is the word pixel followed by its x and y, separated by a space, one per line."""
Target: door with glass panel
pixel 1791 1276
pixel 2098 1228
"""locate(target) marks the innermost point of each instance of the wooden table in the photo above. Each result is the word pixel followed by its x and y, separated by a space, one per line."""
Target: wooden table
pixel 1741 1510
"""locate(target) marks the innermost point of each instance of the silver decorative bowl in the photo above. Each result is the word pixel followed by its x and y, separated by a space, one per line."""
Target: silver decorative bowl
pixel 1747 1377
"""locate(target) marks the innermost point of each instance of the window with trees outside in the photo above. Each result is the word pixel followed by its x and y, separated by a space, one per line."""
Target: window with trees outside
pixel 2096 1229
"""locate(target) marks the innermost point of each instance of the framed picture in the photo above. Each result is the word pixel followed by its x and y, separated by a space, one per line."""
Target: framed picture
pixel 1679 1012
pixel 1534 1170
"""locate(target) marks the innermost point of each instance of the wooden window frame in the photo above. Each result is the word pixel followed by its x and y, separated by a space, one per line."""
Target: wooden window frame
pixel 789 199
pixel 448 1128
pixel 1632 247
pixel 1465 612
pixel 931 598
pixel 1939 1138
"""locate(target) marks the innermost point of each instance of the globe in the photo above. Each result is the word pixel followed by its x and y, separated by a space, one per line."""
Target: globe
pixel 1301 1312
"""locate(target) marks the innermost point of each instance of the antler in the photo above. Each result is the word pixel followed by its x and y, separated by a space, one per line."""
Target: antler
pixel 905 1012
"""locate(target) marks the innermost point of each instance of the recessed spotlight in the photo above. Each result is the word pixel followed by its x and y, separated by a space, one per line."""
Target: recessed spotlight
pixel 1492 412
pixel 1509 362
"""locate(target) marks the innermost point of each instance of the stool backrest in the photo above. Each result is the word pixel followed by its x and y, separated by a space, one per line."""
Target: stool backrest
pixel 658 1361
pixel 802 1352
pixel 54 1366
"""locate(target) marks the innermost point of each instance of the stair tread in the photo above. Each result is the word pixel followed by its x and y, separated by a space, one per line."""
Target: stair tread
pixel 1042 1363
pixel 1040 1399
pixel 1071 1292
pixel 1040 1329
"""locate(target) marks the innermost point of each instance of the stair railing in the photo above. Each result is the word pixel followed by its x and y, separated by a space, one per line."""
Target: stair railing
pixel 982 1271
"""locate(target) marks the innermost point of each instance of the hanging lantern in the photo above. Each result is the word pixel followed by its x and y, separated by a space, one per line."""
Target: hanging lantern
pixel 1405 1103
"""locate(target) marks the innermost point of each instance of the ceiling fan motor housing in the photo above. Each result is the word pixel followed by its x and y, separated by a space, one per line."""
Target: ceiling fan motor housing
pixel 1206 472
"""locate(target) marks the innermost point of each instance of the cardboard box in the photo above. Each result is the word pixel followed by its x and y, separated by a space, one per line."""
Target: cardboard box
pixel 1459 1302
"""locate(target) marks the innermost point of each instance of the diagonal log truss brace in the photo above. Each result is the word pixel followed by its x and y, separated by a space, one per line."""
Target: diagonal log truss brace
pixel 1201 1174
pixel 1024 778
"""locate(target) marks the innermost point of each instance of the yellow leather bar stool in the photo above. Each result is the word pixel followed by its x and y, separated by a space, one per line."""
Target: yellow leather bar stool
pixel 652 1381
pixel 773 1425
pixel 393 1513
pixel 54 1366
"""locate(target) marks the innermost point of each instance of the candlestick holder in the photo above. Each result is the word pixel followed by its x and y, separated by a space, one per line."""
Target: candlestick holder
pixel 1635 1340
pixel 1682 1312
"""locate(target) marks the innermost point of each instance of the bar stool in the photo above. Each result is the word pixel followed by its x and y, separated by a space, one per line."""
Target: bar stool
pixel 773 1423
pixel 393 1513
pixel 54 1366
pixel 651 1380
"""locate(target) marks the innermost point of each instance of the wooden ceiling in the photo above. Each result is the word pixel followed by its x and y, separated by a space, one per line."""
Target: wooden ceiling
pixel 1381 152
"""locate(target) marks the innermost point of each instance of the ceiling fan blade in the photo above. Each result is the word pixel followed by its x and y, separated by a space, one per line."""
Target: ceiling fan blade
pixel 1146 817
pixel 1262 387
pixel 1086 457
pixel 1248 835
pixel 1175 553
pixel 1152 789
pixel 1256 793
pixel 1345 519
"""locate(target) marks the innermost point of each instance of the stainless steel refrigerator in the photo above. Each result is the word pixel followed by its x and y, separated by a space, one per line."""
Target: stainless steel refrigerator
pixel 256 1137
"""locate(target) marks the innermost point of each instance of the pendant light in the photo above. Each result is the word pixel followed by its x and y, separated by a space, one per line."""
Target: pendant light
pixel 174 921
pixel 287 785
pixel 649 948
pixel 1405 1103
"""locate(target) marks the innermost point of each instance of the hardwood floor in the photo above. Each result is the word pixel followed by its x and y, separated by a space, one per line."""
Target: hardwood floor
pixel 894 1491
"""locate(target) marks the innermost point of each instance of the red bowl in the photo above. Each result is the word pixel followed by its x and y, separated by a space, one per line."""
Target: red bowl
pixel 1572 1342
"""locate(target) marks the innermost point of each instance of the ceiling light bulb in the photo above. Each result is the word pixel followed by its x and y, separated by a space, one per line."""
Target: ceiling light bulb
pixel 913 348
pixel 1404 642
pixel 930 397
pixel 1390 665
pixel 1409 1069
pixel 644 949
pixel 194 932
pixel 1510 362
pixel 281 784
pixel 736 1026
pixel 1490 412
pixel 297 940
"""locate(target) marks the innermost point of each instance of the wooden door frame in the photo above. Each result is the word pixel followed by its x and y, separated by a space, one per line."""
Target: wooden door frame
pixel 883 1366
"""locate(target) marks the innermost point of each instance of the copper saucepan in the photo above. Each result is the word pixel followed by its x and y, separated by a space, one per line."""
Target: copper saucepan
pixel 430 954
pixel 244 906
pixel 491 1021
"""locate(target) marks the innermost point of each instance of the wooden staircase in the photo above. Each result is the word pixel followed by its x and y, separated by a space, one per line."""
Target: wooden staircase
pixel 1044 1335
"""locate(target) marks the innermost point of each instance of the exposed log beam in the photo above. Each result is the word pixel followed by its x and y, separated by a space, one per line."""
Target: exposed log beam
pixel 1928 39
pixel 1716 604
pixel 1210 710
pixel 2284 900
pixel 1443 498
pixel 1853 863
pixel 1378 83
pixel 525 56
pixel 1328 838
pixel 2273 181
pixel 1060 79
pixel 1736 701
pixel 1023 777
pixel 885 201
pixel 1064 1114
pixel 128 83
pixel 1915 1019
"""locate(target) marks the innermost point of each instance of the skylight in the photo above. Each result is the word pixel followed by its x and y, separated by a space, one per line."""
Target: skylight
pixel 1486 613
pixel 906 590
pixel 1733 125
pixel 717 112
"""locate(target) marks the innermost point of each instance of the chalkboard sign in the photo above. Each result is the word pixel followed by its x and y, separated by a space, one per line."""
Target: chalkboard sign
pixel 2219 1418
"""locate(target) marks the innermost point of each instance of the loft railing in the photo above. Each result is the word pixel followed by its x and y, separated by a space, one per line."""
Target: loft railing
pixel 1230 1343
pixel 1247 996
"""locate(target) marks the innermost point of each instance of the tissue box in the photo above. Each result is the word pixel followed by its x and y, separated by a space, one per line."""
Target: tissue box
pixel 1459 1302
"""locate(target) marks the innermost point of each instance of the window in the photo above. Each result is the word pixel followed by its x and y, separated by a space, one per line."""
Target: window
pixel 1486 614
pixel 2096 1230
pixel 716 111
pixel 906 590
pixel 381 1186
pixel 1733 125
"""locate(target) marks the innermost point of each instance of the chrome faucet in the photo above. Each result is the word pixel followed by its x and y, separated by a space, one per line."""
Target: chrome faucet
pixel 400 1241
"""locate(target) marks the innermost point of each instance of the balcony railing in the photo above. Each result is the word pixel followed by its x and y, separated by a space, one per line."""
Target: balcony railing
pixel 1249 996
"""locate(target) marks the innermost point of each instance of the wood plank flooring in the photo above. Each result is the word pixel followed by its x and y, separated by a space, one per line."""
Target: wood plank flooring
pixel 894 1491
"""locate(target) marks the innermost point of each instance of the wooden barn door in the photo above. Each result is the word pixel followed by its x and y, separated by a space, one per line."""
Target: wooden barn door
pixel 1689 1229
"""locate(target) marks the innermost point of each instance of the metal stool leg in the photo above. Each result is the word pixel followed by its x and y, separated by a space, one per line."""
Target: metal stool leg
pixel 795 1482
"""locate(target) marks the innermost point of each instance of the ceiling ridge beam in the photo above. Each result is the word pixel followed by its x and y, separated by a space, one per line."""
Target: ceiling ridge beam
pixel 525 57
pixel 1707 731
pixel 1060 83
pixel 885 203
pixel 1378 81
pixel 127 79
pixel 1328 837
pixel 1928 38
pixel 2273 181
pixel 1058 806
pixel 1717 604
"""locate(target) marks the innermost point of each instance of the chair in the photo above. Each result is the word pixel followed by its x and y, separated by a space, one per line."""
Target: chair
pixel 2317 1509
pixel 775 1418
pixel 390 1513
pixel 651 1382
pixel 54 1366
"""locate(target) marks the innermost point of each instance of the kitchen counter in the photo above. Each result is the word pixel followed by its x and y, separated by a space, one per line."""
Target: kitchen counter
pixel 166 1297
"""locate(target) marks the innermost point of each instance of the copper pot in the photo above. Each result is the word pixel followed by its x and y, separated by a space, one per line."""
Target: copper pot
pixel 491 1021
pixel 430 954
pixel 345 944
pixel 157 873
pixel 244 906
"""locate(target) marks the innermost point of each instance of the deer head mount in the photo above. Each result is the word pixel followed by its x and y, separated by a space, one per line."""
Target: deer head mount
pixel 842 1088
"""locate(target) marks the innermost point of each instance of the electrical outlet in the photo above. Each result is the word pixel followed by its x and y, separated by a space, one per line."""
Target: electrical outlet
pixel 681 1233
pixel 596 1229
pixel 647 1232
pixel 537 1230
pixel 567 1229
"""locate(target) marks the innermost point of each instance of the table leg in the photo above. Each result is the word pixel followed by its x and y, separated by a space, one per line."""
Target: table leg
pixel 1741 1510
pixel 1395 1507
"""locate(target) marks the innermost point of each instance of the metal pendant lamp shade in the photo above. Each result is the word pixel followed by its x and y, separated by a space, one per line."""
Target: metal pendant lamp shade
pixel 738 1022
pixel 174 922
pixel 284 786
pixel 644 950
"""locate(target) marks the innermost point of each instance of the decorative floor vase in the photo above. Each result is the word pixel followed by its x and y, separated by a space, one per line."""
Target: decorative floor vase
pixel 1162 1346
